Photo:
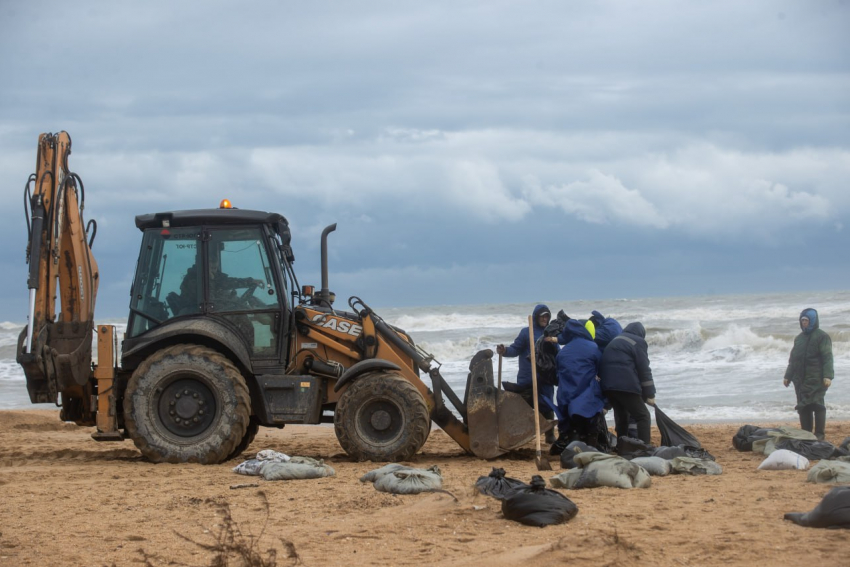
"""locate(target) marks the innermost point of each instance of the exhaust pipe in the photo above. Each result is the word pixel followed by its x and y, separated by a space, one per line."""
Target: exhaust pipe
pixel 325 293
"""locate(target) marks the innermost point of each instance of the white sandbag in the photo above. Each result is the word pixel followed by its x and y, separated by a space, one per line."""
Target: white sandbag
pixel 374 475
pixel 830 472
pixel 600 469
pixel 784 460
pixel 269 455
pixel 409 481
pixel 251 467
pixel 296 471
pixel 655 466
pixel 690 465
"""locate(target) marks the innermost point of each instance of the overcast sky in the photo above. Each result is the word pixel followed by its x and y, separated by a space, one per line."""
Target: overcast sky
pixel 479 152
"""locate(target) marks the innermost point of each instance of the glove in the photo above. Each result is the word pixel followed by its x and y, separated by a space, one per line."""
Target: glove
pixel 827 382
pixel 500 349
pixel 650 401
pixel 785 382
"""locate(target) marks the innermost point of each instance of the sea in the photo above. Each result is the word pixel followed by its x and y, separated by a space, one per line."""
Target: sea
pixel 714 358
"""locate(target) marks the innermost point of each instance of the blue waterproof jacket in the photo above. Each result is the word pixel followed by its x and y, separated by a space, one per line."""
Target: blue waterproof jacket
pixel 579 392
pixel 625 363
pixel 521 348
pixel 606 329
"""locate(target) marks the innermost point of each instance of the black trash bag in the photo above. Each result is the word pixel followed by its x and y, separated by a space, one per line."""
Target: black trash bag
pixel 832 512
pixel 842 450
pixel 572 450
pixel 538 506
pixel 747 434
pixel 497 485
pixel 629 448
pixel 673 434
pixel 669 453
pixel 546 351
pixel 697 453
pixel 812 450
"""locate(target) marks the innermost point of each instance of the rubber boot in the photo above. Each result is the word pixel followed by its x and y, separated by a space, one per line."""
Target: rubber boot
pixel 806 418
pixel 550 437
pixel 820 422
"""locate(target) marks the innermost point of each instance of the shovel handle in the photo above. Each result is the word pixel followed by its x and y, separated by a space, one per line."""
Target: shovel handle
pixel 534 382
pixel 500 371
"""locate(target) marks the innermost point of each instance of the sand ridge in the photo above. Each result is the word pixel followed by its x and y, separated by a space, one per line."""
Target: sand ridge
pixel 68 500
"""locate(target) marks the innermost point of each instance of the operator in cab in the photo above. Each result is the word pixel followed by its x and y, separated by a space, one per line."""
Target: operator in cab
pixel 521 348
pixel 222 286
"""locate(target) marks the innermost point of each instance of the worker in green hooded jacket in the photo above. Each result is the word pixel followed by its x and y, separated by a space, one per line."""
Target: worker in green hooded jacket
pixel 810 370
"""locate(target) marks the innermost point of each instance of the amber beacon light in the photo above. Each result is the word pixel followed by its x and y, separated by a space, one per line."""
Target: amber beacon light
pixel 225 204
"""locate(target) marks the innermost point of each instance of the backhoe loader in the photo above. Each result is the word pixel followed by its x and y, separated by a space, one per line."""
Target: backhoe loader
pixel 221 340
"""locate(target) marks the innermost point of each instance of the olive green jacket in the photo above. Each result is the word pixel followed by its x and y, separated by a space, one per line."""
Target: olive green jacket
pixel 809 364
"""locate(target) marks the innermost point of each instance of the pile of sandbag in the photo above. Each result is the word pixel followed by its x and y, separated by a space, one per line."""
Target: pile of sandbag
pixel 272 465
pixel 630 448
pixel 601 469
pixel 400 479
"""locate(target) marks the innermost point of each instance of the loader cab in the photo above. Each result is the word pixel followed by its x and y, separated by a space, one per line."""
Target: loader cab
pixel 228 266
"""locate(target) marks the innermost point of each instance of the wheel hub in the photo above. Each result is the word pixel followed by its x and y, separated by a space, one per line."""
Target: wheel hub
pixel 381 420
pixel 186 407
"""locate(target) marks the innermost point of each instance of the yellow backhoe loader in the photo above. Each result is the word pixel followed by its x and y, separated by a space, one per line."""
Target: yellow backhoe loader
pixel 221 339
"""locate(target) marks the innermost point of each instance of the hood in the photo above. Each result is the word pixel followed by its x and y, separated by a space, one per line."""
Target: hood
pixel 812 314
pixel 541 308
pixel 576 329
pixel 636 328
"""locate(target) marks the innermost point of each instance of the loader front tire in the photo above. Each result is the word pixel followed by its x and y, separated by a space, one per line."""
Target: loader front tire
pixel 381 417
pixel 187 403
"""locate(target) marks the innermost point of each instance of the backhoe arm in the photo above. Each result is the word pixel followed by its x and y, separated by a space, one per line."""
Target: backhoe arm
pixel 55 349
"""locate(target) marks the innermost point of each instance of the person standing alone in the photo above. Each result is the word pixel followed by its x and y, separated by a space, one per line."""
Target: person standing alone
pixel 810 370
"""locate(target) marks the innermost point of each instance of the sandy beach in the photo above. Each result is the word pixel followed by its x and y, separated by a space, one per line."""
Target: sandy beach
pixel 67 500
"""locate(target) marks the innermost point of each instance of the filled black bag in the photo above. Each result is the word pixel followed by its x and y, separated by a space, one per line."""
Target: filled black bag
pixel 812 450
pixel 630 448
pixel 832 512
pixel 673 434
pixel 497 485
pixel 669 453
pixel 546 351
pixel 572 450
pixel 747 434
pixel 538 506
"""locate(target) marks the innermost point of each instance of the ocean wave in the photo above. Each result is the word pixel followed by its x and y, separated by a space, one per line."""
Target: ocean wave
pixel 455 321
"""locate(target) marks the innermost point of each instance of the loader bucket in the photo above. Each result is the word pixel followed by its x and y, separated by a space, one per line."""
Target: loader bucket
pixel 498 421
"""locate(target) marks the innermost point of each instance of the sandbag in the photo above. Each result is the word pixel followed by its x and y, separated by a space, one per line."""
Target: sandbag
pixel 830 472
pixel 497 485
pixel 251 467
pixel 783 460
pixel 655 466
pixel 630 448
pixel 768 445
pixel 572 450
pixel 833 511
pixel 668 453
pixel 374 475
pixel 410 481
pixel 270 455
pixel 692 466
pixel 673 434
pixel 813 450
pixel 306 469
pixel 601 469
pixel 536 505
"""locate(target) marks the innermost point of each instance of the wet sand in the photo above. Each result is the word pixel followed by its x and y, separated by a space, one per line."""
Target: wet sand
pixel 68 500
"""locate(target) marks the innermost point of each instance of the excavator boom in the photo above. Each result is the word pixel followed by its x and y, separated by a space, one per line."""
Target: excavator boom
pixel 55 348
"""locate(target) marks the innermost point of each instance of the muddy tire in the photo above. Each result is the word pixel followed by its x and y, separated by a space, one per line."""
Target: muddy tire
pixel 247 439
pixel 381 417
pixel 187 403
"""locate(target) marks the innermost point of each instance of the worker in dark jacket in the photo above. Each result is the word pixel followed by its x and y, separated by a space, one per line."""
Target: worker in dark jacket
pixel 521 349
pixel 810 370
pixel 580 399
pixel 627 380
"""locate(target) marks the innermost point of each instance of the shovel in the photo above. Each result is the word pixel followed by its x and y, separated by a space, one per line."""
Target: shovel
pixel 500 372
pixel 542 464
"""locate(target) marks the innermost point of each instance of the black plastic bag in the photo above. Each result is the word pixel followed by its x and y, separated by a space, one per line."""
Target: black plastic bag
pixel 629 448
pixel 497 485
pixel 812 450
pixel 747 434
pixel 572 450
pixel 669 453
pixel 546 351
pixel 538 506
pixel 673 434
pixel 832 512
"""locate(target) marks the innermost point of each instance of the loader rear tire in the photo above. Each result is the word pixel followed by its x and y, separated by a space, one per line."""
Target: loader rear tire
pixel 381 417
pixel 187 403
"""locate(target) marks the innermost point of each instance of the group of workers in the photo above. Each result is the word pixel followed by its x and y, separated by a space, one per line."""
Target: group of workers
pixel 601 366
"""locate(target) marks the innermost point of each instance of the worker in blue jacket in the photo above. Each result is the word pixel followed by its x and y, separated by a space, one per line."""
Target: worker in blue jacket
pixel 521 349
pixel 580 399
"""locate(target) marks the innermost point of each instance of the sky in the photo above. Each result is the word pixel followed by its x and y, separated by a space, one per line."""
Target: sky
pixel 469 152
